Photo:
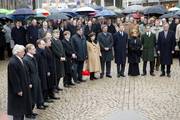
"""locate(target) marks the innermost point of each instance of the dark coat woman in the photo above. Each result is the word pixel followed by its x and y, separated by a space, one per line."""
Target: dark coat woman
pixel 18 81
pixel 134 54
pixel 32 68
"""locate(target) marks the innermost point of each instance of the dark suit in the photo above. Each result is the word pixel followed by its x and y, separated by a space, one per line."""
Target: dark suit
pixel 105 41
pixel 32 34
pixel 69 63
pixel 120 50
pixel 32 67
pixel 18 81
pixel 19 35
pixel 42 33
pixel 80 47
pixel 166 45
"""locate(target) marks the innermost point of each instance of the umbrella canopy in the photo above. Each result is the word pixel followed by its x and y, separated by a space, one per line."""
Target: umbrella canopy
pixel 106 13
pixel 69 12
pixel 155 10
pixel 4 11
pixel 57 16
pixel 177 13
pixel 24 11
pixel 96 7
pixel 41 11
pixel 168 15
pixel 85 9
pixel 174 9
pixel 133 8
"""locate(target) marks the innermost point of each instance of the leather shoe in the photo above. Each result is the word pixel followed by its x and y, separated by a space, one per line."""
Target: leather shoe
pixel 162 75
pixel 78 82
pixel 118 75
pixel 34 114
pixel 59 89
pixel 82 80
pixel 152 74
pixel 31 116
pixel 109 76
pixel 144 74
pixel 101 76
pixel 55 98
pixel 168 75
pixel 72 84
pixel 41 107
pixel 122 75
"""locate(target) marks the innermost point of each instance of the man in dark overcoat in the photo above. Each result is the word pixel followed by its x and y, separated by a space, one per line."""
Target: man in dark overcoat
pixel 19 96
pixel 18 34
pixel 32 67
pixel 105 40
pixel 120 50
pixel 148 40
pixel 166 47
pixel 78 42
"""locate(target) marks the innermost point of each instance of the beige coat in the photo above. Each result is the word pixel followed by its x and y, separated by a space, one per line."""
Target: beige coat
pixel 178 32
pixel 94 54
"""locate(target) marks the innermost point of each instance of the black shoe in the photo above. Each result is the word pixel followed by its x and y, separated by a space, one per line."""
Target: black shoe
pixel 59 89
pixel 122 75
pixel 152 74
pixel 91 78
pixel 101 76
pixel 67 86
pixel 41 107
pixel 56 91
pixel 49 101
pixel 82 80
pixel 54 98
pixel 109 76
pixel 162 75
pixel 144 74
pixel 34 114
pixel 118 75
pixel 95 77
pixel 168 75
pixel 78 82
pixel 72 84
pixel 30 116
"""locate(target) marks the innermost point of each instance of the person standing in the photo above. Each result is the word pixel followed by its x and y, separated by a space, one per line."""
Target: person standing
pixel 19 95
pixel 134 53
pixel 69 63
pixel 32 67
pixel 2 43
pixel 94 53
pixel 148 40
pixel 120 49
pixel 78 42
pixel 60 58
pixel 18 34
pixel 105 40
pixel 32 32
pixel 45 29
pixel 166 47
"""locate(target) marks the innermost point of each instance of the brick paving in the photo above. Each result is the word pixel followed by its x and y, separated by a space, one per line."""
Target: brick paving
pixel 129 98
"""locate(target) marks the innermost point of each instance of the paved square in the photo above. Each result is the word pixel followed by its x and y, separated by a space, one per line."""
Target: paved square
pixel 129 98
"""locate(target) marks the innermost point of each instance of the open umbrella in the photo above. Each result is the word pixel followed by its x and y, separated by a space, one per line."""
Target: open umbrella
pixel 69 12
pixel 168 15
pixel 40 11
pixel 177 13
pixel 158 9
pixel 23 11
pixel 106 13
pixel 57 16
pixel 133 8
pixel 96 7
pixel 85 9
pixel 4 11
pixel 174 9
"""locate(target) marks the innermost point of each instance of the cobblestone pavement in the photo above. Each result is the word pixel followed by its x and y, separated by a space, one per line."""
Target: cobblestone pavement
pixel 154 98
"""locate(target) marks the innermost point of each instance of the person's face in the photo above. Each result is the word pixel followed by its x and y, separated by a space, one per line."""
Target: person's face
pixel 147 29
pixel 34 22
pixel 42 45
pixel 18 24
pixel 21 54
pixel 157 23
pixel 32 50
pixel 67 36
pixel 56 35
pixel 45 24
pixel 177 21
pixel 48 43
pixel 80 32
pixel 105 29
pixel 93 37
pixel 121 28
pixel 166 27
pixel 89 23
pixel 48 35
pixel 109 21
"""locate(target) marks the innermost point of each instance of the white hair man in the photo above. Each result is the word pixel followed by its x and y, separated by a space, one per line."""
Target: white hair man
pixel 19 100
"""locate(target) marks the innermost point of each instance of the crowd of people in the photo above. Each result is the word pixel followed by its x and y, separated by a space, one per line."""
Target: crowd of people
pixel 44 53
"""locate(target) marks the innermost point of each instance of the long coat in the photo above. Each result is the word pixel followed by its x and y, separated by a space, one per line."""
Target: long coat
pixel 32 34
pixel 105 41
pixel 120 47
pixel 18 81
pixel 134 50
pixel 111 29
pixel 58 51
pixel 32 68
pixel 148 45
pixel 166 46
pixel 42 67
pixel 80 47
pixel 94 54
pixel 19 35
pixel 51 67
pixel 68 51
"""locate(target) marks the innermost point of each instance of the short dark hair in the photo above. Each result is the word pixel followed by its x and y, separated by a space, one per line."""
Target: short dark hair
pixel 39 41
pixel 78 28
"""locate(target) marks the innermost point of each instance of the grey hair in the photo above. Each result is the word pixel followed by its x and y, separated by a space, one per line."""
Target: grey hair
pixel 18 48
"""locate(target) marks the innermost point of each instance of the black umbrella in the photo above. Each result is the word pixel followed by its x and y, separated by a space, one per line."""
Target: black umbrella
pixel 158 9
pixel 177 13
pixel 57 16
pixel 168 15
pixel 23 11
